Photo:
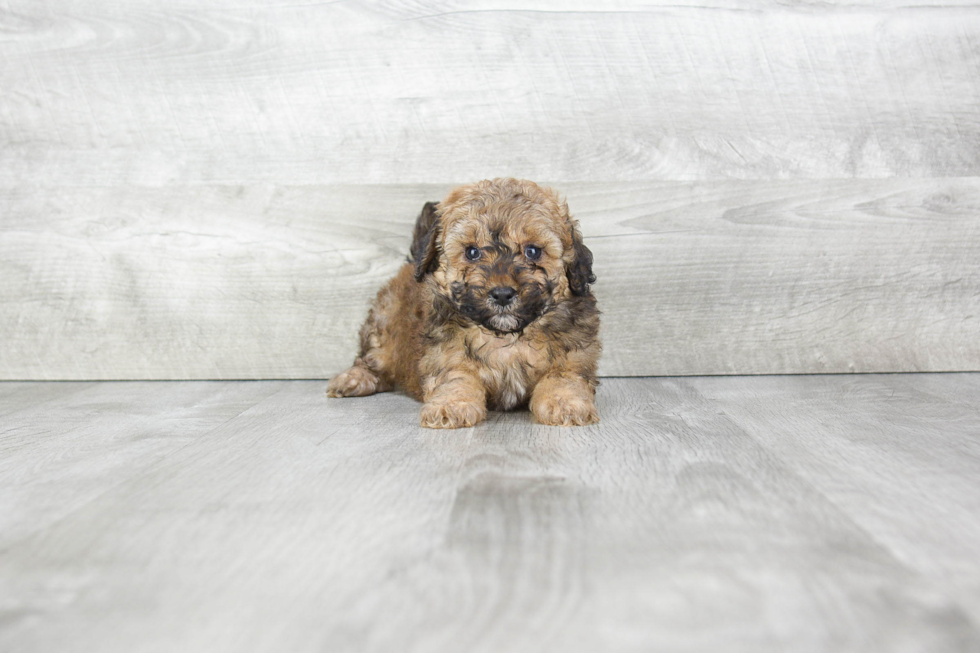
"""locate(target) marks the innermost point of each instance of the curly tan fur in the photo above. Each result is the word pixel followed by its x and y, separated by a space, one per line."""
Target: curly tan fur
pixel 444 331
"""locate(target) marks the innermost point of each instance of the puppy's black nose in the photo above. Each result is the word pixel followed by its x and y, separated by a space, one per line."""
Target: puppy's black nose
pixel 503 294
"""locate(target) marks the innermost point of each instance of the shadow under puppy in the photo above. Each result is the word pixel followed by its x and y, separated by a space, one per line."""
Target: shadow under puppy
pixel 493 309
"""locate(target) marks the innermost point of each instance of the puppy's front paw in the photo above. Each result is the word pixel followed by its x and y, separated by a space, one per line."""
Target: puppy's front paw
pixel 558 410
pixel 451 415
pixel 358 381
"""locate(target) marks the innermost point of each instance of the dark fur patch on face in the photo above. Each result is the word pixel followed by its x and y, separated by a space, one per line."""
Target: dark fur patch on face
pixel 472 300
pixel 473 303
pixel 573 323
pixel 475 243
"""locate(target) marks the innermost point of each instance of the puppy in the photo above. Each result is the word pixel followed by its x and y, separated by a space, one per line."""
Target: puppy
pixel 493 310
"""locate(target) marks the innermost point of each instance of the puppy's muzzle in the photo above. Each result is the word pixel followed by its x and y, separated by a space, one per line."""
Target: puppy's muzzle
pixel 503 295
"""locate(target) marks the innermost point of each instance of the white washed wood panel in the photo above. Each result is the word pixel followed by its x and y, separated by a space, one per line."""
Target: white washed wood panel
pixel 741 277
pixel 99 92
pixel 793 277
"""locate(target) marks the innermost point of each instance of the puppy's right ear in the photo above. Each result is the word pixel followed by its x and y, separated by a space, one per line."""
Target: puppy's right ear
pixel 579 270
pixel 424 252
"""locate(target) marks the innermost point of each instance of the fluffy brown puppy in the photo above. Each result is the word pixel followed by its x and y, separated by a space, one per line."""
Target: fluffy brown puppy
pixel 493 309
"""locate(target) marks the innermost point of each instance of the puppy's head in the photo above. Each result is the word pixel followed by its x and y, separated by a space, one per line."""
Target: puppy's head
pixel 501 253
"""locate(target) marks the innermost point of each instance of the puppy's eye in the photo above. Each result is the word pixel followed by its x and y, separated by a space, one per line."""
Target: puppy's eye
pixel 533 252
pixel 472 253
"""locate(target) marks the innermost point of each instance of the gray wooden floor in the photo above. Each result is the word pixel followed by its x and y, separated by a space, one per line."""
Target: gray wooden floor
pixel 812 513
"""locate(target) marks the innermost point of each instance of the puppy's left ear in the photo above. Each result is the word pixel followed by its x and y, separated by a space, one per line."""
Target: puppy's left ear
pixel 579 269
pixel 424 254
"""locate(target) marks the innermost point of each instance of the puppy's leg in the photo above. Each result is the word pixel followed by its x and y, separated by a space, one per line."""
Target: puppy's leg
pixel 363 378
pixel 368 373
pixel 564 400
pixel 357 381
pixel 453 399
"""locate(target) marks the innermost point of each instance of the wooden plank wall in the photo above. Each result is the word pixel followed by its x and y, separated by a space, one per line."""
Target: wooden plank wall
pixel 216 189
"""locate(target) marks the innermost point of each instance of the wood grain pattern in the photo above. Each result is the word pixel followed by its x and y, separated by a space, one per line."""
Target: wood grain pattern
pixel 920 499
pixel 694 278
pixel 16 397
pixel 819 513
pixel 172 176
pixel 55 457
pixel 106 92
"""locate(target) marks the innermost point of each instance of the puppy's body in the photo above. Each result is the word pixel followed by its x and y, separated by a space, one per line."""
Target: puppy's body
pixel 494 310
